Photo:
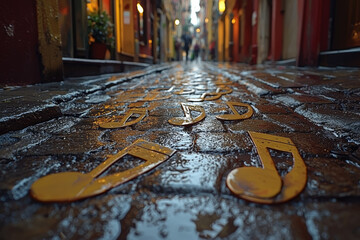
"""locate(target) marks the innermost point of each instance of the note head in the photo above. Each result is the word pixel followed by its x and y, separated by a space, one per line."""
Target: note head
pixel 60 187
pixel 254 182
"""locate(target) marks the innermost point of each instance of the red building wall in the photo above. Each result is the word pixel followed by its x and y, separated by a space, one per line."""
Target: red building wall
pixel 313 20
pixel 20 59
pixel 145 47
pixel 277 30
pixel 242 29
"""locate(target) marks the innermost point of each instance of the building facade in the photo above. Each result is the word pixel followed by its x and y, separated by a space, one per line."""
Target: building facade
pixel 301 32
pixel 53 35
pixel 39 44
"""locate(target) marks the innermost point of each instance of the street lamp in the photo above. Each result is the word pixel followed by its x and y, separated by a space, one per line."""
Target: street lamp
pixel 141 20
pixel 221 6
pixel 140 8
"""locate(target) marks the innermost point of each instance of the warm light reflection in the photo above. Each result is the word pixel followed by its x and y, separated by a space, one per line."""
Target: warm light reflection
pixel 233 21
pixel 118 32
pixel 206 20
pixel 198 30
pixel 92 5
pixel 177 22
pixel 140 8
pixel 240 12
pixel 356 32
pixel 150 43
pixel 221 6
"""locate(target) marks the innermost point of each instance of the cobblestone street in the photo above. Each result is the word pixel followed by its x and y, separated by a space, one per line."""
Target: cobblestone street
pixel 59 127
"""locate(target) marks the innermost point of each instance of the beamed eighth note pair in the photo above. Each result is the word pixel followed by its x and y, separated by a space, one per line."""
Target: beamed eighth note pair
pixel 257 184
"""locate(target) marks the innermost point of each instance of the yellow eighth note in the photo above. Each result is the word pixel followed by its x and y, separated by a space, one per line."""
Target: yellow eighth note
pixel 72 186
pixel 156 95
pixel 236 115
pixel 264 185
pixel 184 91
pixel 124 121
pixel 188 119
pixel 210 96
pixel 224 90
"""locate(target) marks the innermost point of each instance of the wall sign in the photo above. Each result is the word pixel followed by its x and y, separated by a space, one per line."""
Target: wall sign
pixel 126 17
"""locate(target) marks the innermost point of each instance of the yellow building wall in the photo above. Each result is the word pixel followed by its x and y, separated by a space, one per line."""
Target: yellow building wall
pixel 171 35
pixel 221 40
pixel 229 6
pixel 209 24
pixel 227 38
pixel 264 30
pixel 290 30
pixel 125 39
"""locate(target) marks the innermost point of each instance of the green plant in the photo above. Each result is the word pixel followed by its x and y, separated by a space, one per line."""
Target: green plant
pixel 100 28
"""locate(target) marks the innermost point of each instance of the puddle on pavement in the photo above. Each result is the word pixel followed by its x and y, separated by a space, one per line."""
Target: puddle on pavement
pixel 207 217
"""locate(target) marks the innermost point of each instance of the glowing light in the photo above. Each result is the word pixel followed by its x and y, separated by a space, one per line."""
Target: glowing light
pixel 233 21
pixel 92 5
pixel 140 8
pixel 221 6
pixel 177 22
pixel 206 20
pixel 195 7
pixel 198 30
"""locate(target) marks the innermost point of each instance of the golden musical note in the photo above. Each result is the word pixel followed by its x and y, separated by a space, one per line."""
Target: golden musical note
pixel 153 95
pixel 184 91
pixel 124 122
pixel 72 186
pixel 264 185
pixel 224 90
pixel 236 115
pixel 223 82
pixel 163 89
pixel 210 96
pixel 206 97
pixel 188 119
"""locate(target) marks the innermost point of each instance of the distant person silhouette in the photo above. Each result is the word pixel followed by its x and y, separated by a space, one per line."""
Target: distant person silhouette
pixel 178 49
pixel 187 40
pixel 196 50
pixel 212 50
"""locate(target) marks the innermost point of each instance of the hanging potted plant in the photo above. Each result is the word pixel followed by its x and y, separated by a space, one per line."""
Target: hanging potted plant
pixel 100 32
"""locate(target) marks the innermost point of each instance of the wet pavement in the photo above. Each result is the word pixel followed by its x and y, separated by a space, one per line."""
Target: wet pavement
pixel 52 128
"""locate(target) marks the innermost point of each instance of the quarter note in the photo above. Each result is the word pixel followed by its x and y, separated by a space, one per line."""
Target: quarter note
pixel 224 90
pixel 210 96
pixel 236 115
pixel 206 97
pixel 264 185
pixel 154 95
pixel 188 119
pixel 184 91
pixel 124 121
